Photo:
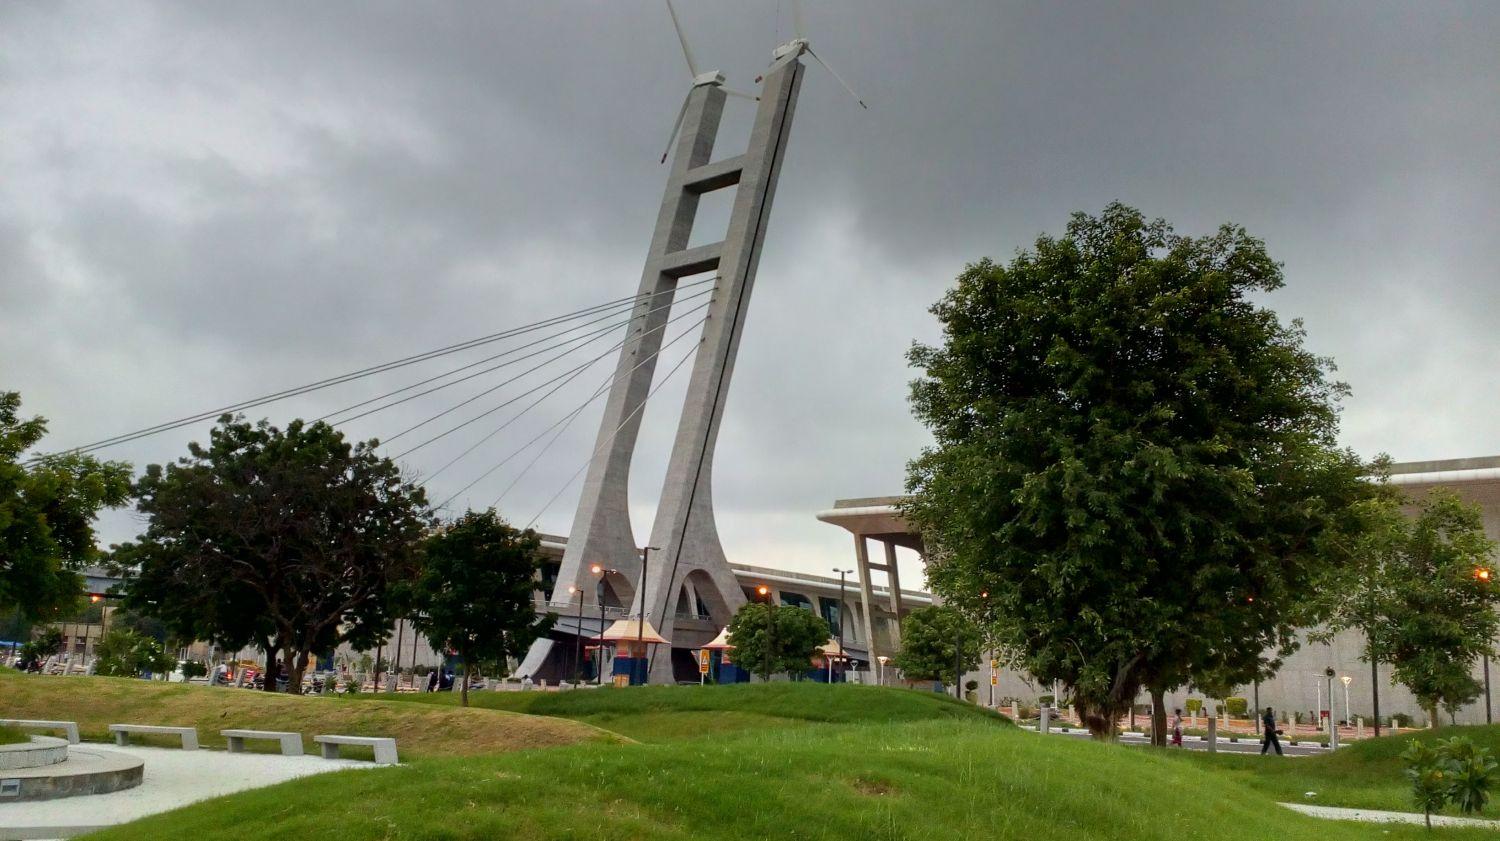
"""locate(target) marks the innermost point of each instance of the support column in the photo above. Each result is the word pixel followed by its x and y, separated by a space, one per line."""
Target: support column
pixel 893 579
pixel 866 593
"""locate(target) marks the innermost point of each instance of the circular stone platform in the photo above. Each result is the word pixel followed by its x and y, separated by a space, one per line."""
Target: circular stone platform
pixel 80 771
pixel 39 752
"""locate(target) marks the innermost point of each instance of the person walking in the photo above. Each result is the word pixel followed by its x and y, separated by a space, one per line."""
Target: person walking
pixel 1268 726
pixel 1176 725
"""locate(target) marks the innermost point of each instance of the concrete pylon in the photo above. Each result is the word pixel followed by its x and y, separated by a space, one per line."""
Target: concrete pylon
pixel 684 533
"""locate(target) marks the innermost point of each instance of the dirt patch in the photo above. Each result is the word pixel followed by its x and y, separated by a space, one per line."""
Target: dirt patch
pixel 874 788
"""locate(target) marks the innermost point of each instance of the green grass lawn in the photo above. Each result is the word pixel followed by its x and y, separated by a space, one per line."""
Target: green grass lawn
pixel 785 761
pixel 12 736
pixel 658 713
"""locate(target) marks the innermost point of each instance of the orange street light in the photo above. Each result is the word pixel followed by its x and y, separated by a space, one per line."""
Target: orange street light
pixel 1482 573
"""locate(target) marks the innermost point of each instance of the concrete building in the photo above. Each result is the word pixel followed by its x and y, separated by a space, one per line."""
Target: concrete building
pixel 1300 685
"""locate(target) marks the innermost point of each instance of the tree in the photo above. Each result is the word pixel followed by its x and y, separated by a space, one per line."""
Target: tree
pixel 47 511
pixel 292 539
pixel 932 639
pixel 474 594
pixel 1435 601
pixel 1135 462
pixel 126 653
pixel 42 646
pixel 770 640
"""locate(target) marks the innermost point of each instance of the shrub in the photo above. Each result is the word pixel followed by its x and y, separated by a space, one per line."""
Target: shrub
pixel 1449 771
pixel 1237 707
pixel 125 653
pixel 1401 720
pixel 1193 705
pixel 971 685
pixel 1046 700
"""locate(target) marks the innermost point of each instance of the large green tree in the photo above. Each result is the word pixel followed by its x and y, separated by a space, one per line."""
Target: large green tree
pixel 474 593
pixel 294 539
pixel 1133 459
pixel 47 511
pixel 933 639
pixel 1436 602
pixel 772 640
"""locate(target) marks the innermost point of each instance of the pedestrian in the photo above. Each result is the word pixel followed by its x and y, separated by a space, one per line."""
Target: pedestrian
pixel 432 680
pixel 1177 727
pixel 1268 724
pixel 525 683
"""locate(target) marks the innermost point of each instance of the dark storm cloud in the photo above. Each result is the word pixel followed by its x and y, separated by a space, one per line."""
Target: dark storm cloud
pixel 204 202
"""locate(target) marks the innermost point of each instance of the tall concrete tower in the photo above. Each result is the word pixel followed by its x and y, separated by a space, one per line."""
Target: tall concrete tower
pixel 687 572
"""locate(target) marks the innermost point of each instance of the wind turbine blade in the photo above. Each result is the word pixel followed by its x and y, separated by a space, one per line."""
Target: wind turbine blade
pixel 682 39
pixel 750 96
pixel 837 77
pixel 797 18
pixel 677 126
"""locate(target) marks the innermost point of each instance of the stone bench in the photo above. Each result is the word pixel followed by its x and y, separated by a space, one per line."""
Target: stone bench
pixel 68 727
pixel 291 743
pixel 385 749
pixel 122 733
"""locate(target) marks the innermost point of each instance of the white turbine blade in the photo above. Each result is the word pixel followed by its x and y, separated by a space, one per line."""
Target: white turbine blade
pixel 677 126
pixel 839 78
pixel 797 19
pixel 682 39
pixel 750 96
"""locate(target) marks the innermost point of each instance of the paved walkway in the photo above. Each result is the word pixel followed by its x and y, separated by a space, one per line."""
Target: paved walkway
pixel 1198 743
pixel 1376 816
pixel 172 778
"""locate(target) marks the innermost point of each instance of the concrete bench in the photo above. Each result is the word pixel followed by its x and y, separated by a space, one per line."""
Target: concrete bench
pixel 291 743
pixel 68 727
pixel 385 749
pixel 122 733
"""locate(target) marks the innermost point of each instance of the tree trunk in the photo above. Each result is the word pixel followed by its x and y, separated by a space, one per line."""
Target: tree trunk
pixel 268 684
pixel 1432 716
pixel 1158 717
pixel 464 691
pixel 296 664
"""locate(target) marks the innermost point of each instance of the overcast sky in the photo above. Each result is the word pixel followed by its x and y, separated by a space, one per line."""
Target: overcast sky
pixel 200 203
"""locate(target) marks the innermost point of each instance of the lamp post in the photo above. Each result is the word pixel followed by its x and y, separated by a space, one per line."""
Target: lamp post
pixel 640 625
pixel 1346 680
pixel 882 659
pixel 578 638
pixel 598 596
pixel 842 573
pixel 1333 726
pixel 1482 575
pixel 770 626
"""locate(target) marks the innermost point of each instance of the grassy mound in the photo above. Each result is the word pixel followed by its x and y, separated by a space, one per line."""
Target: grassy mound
pixel 947 779
pixel 97 702
pixel 1366 774
pixel 656 713
pixel 12 736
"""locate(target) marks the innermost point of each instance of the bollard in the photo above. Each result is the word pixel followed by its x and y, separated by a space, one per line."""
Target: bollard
pixel 1044 723
pixel 1015 710
pixel 1213 734
pixel 1359 727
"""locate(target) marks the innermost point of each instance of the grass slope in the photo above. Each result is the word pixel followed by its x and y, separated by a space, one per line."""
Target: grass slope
pixel 658 713
pixel 1366 774
pixel 950 778
pixel 13 736
pixel 96 702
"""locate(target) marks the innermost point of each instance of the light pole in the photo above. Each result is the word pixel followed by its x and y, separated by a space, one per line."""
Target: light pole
pixel 1346 680
pixel 1482 575
pixel 599 596
pixel 770 626
pixel 882 659
pixel 1333 726
pixel 842 573
pixel 578 638
pixel 640 625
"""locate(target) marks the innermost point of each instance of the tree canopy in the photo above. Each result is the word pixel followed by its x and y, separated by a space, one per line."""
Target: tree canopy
pixel 47 512
pixel 772 640
pixel 932 640
pixel 474 593
pixel 292 539
pixel 1135 461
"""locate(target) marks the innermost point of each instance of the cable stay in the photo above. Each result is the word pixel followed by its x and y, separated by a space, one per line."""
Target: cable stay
pixel 583 339
pixel 494 409
pixel 616 431
pixel 603 387
pixel 620 304
pixel 506 353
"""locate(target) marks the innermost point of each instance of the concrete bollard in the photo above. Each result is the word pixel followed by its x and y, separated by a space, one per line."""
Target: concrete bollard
pixel 1213 734
pixel 1359 727
pixel 1015 711
pixel 1044 722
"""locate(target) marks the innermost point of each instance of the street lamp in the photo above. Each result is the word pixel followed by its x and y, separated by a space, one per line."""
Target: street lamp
pixel 842 573
pixel 599 596
pixel 765 591
pixel 1482 575
pixel 1346 680
pixel 640 625
pixel 882 658
pixel 578 648
pixel 1333 727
